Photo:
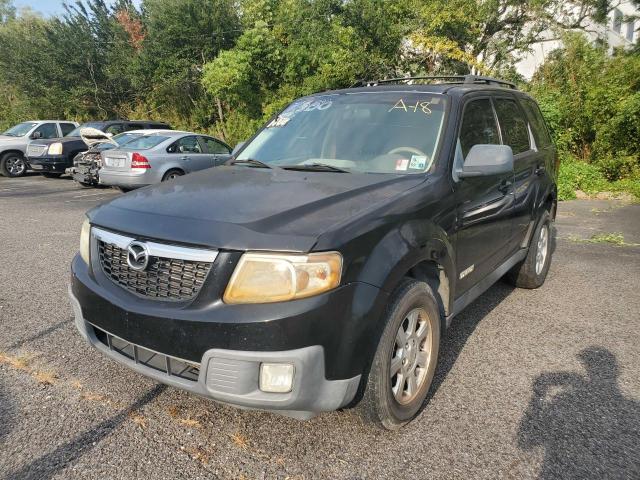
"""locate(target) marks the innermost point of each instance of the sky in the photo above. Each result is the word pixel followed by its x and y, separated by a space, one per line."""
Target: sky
pixel 46 7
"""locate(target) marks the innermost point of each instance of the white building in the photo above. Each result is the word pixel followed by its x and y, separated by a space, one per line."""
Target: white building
pixel 616 32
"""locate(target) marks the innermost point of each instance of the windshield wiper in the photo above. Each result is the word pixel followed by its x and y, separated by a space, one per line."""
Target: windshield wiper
pixel 9 134
pixel 252 162
pixel 316 167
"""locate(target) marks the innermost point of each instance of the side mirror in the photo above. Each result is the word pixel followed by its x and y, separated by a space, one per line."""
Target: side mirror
pixel 487 160
pixel 237 148
pixel 36 135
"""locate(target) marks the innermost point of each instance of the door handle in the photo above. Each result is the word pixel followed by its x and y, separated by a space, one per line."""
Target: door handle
pixel 184 157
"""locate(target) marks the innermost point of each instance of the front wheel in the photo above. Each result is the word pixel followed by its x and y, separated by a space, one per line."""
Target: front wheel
pixel 13 165
pixel 406 358
pixel 532 271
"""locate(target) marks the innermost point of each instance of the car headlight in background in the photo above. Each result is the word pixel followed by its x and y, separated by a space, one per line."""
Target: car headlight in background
pixel 273 277
pixel 55 149
pixel 85 244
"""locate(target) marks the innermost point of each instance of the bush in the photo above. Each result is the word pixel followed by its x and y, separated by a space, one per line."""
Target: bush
pixel 578 175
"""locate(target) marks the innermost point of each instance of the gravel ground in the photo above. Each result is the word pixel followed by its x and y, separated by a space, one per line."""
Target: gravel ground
pixel 531 383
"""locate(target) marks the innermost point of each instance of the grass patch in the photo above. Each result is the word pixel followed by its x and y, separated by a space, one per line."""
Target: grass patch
pixel 611 238
pixel 576 175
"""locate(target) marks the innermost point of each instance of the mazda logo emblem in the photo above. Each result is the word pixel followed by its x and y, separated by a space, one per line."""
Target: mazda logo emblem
pixel 137 256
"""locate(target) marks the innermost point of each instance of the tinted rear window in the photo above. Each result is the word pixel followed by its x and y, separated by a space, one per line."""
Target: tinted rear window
pixel 146 142
pixel 515 131
pixel 539 128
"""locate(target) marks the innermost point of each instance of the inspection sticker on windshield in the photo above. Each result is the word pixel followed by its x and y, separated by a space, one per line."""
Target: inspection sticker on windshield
pixel 418 162
pixel 402 164
pixel 279 121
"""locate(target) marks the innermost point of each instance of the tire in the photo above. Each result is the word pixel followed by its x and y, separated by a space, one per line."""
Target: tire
pixel 51 175
pixel 84 185
pixel 13 165
pixel 387 400
pixel 532 271
pixel 171 174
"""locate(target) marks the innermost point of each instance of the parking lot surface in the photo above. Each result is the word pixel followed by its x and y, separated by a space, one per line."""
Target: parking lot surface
pixel 531 383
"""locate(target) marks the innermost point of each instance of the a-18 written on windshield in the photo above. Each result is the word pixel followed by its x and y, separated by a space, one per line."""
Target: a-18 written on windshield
pixel 390 132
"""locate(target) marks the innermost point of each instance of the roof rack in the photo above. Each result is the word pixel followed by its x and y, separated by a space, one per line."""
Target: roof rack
pixel 456 79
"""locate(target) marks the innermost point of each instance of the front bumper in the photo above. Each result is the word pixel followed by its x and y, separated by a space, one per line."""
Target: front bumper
pixel 56 164
pixel 330 340
pixel 231 376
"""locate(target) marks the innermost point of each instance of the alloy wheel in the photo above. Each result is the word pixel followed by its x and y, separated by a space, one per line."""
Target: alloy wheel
pixel 411 356
pixel 542 249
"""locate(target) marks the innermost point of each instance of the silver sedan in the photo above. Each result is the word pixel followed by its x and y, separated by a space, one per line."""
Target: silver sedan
pixel 160 156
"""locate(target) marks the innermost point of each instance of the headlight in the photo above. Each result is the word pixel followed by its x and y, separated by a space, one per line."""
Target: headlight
pixel 272 277
pixel 85 244
pixel 55 149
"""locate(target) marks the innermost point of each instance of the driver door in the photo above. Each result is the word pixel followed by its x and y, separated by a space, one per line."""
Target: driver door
pixel 484 204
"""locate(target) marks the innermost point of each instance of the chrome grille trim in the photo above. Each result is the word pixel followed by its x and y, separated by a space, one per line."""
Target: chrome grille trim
pixel 157 249
pixel 170 365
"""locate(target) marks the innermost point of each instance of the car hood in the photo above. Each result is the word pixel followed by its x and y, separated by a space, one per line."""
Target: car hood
pixel 5 139
pixel 241 208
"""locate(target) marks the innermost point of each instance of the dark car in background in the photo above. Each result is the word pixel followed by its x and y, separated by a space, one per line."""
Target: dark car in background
pixel 53 157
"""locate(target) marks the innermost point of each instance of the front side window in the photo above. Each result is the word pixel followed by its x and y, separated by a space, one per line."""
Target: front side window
pixel 185 145
pixel 47 130
pixel 515 130
pixel 115 129
pixel 369 132
pixel 214 147
pixel 478 126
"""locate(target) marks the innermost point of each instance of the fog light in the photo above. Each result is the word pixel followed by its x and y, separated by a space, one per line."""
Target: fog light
pixel 276 377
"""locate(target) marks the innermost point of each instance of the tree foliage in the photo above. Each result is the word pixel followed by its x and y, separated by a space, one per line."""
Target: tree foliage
pixel 225 65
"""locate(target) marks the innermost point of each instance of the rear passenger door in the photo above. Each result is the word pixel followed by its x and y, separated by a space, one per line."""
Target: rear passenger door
pixel 219 151
pixel 485 204
pixel 515 132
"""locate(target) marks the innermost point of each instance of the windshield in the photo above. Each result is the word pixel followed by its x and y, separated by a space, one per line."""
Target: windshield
pixel 20 130
pixel 388 132
pixel 120 139
pixel 76 132
pixel 146 142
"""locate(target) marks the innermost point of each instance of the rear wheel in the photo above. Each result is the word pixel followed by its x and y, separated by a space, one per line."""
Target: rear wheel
pixel 171 174
pixel 51 174
pixel 532 271
pixel 12 165
pixel 406 357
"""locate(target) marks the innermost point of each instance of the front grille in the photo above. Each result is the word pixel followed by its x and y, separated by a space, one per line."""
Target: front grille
pixel 164 278
pixel 172 366
pixel 36 150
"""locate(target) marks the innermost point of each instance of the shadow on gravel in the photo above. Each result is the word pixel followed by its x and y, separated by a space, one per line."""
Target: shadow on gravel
pixel 47 466
pixel 588 429
pixel 37 336
pixel 6 413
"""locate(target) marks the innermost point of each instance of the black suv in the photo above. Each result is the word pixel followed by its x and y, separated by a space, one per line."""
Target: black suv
pixel 53 157
pixel 320 268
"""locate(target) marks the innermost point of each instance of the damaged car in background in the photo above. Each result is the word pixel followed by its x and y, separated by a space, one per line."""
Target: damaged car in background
pixel 87 165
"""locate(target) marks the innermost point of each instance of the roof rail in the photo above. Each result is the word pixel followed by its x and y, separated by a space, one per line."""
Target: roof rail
pixel 456 79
